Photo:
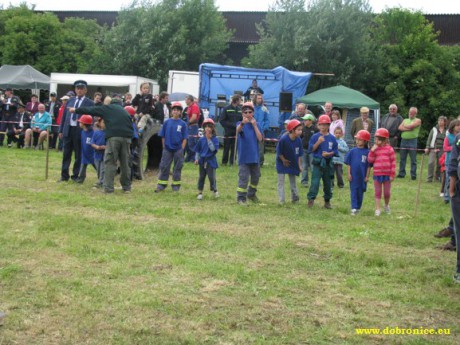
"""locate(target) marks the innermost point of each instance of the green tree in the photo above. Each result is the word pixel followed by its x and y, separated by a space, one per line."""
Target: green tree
pixel 151 38
pixel 331 37
pixel 418 71
pixel 42 41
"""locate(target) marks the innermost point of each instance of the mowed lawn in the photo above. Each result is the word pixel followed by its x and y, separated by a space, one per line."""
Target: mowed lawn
pixel 81 267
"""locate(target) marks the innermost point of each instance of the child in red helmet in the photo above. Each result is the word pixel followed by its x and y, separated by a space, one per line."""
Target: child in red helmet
pixel 87 150
pixel 173 135
pixel 98 144
pixel 205 157
pixel 358 170
pixel 322 147
pixel 289 154
pixel 249 135
pixel 382 156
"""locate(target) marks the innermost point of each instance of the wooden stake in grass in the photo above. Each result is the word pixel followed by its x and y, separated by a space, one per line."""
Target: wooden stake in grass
pixel 47 153
pixel 417 199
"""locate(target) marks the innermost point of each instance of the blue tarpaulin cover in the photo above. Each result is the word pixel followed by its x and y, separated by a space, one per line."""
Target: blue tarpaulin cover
pixel 225 80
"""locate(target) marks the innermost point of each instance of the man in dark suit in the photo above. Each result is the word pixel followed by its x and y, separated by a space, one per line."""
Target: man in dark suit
pixel 70 131
pixel 52 107
pixel 23 119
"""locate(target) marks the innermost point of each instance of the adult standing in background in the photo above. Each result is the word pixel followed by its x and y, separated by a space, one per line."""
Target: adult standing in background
pixel 193 117
pixel 231 115
pixel 9 108
pixel 253 90
pixel 434 148
pixel 261 117
pixel 70 131
pixel 409 129
pixel 391 122
pixel 52 108
pixel 300 111
pixel 327 110
pixel 362 123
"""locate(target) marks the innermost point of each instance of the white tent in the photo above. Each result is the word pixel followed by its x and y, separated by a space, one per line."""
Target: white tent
pixel 107 84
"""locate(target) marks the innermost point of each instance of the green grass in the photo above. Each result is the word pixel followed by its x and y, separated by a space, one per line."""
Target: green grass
pixel 81 267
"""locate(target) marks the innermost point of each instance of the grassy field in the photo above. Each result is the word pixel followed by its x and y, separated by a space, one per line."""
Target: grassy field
pixel 81 267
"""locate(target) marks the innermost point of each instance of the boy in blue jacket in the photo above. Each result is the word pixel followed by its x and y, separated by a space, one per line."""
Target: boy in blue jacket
pixel 323 146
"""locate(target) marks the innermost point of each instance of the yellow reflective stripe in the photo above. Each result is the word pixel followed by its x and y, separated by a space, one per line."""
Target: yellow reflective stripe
pixel 253 186
pixel 176 183
pixel 162 182
pixel 242 190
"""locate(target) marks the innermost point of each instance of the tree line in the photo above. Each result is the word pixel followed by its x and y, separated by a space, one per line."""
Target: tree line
pixel 393 57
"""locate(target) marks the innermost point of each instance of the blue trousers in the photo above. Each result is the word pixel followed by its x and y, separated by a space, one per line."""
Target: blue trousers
pixel 408 146
pixel 356 196
pixel 191 142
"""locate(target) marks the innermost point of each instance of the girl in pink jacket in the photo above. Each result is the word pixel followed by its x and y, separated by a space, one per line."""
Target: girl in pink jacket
pixel 382 156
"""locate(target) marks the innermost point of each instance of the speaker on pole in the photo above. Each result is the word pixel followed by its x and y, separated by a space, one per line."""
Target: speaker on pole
pixel 285 102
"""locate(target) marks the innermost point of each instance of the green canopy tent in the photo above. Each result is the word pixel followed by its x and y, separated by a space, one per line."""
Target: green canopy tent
pixel 346 99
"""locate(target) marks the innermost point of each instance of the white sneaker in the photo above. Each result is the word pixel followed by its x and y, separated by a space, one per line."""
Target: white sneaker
pixel 441 195
pixel 216 194
pixel 377 213
pixel 354 212
pixel 200 197
pixel 387 209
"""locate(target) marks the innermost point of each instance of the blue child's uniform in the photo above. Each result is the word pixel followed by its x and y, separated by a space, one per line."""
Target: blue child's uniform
pixel 87 151
pixel 356 159
pixel 205 154
pixel 292 150
pixel 248 161
pixel 174 132
pixel 323 168
pixel 99 140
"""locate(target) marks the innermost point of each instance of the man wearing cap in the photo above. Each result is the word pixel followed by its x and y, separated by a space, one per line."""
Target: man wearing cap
pixel 52 108
pixel 22 123
pixel 118 133
pixel 229 118
pixel 70 132
pixel 9 107
pixel 410 129
pixel 362 122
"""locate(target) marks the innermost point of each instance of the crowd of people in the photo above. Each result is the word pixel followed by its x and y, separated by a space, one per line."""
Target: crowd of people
pixel 104 132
